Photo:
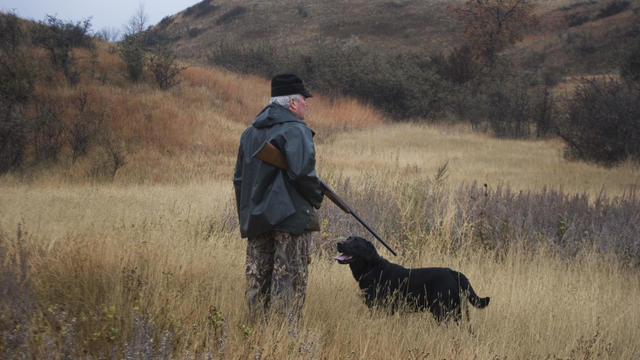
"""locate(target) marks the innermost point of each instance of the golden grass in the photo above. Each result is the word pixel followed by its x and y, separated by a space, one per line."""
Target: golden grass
pixel 103 252
pixel 159 242
pixel 417 151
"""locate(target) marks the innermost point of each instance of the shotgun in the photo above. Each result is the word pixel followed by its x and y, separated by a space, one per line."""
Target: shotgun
pixel 272 156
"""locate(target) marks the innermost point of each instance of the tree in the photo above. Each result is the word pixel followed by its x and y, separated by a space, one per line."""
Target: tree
pixel 163 66
pixel 16 88
pixel 492 25
pixel 59 38
pixel 138 22
pixel 132 47
pixel 602 124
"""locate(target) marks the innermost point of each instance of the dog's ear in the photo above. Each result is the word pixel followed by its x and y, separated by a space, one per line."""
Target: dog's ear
pixel 369 250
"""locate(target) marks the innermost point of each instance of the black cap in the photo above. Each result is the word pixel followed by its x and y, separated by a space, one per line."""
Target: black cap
pixel 288 84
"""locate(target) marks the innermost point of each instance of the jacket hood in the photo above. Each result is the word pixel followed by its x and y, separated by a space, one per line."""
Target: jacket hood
pixel 273 114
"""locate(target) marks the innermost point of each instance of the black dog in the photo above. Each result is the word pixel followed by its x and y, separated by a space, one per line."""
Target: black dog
pixel 389 285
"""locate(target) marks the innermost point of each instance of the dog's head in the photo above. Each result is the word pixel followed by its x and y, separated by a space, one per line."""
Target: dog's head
pixel 356 249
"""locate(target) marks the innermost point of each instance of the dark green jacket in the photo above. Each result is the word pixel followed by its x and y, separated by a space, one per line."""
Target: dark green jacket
pixel 270 198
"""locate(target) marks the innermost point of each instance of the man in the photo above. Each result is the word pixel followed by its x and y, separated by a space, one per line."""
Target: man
pixel 275 206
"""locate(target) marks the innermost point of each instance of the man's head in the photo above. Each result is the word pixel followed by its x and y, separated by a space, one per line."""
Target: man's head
pixel 287 90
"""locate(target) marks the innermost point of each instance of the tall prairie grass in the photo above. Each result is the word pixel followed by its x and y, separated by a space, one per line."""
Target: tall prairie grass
pixel 417 151
pixel 149 263
pixel 156 270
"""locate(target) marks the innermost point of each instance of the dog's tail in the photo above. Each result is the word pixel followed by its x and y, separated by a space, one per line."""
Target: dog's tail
pixel 474 299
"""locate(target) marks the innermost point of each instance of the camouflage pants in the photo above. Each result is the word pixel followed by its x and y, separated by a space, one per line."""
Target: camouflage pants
pixel 277 272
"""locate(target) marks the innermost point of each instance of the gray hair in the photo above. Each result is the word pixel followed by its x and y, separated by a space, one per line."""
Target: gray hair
pixel 285 100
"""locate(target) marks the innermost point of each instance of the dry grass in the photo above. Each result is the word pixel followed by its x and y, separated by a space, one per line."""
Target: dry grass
pixel 418 151
pixel 116 263
pixel 188 133
pixel 151 263
pixel 102 253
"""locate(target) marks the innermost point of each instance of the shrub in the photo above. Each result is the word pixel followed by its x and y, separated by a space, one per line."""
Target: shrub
pixel 231 15
pixel 630 69
pixel 59 38
pixel 602 123
pixel 165 22
pixel 194 31
pixel 576 19
pixel 544 114
pixel 509 110
pixel 47 131
pixel 613 8
pixel 403 84
pixel 16 87
pixel 132 51
pixel 505 104
pixel 458 66
pixel 162 64
pixel 583 43
pixel 86 128
pixel 202 8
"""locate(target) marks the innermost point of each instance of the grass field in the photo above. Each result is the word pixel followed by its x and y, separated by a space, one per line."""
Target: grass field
pixel 128 247
pixel 156 271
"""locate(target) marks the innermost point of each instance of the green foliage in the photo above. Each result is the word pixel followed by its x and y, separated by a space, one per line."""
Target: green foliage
pixel 602 123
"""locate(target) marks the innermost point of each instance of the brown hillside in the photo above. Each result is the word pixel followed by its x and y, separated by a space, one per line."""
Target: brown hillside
pixel 574 35
pixel 308 23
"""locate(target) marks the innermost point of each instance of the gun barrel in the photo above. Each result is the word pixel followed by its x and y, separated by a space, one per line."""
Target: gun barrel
pixel 272 156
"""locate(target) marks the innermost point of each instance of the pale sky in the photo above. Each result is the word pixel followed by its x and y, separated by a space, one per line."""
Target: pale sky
pixel 105 14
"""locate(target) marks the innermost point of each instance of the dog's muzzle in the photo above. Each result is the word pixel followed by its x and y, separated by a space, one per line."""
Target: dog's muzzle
pixel 343 258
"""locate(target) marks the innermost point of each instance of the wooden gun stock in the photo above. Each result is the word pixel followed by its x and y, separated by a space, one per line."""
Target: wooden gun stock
pixel 272 156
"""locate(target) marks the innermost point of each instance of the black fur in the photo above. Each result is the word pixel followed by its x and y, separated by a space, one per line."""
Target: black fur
pixel 390 285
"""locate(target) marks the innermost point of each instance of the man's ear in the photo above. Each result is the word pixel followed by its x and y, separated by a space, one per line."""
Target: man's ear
pixel 292 103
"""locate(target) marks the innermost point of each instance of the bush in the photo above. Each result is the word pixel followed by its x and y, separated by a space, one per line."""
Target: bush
pixel 509 110
pixel 404 84
pixel 162 64
pixel 231 15
pixel 132 52
pixel 613 8
pixel 505 104
pixel 86 128
pixel 458 66
pixel 630 69
pixel 202 8
pixel 59 38
pixel 47 131
pixel 16 87
pixel 602 123
pixel 576 19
